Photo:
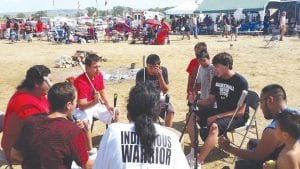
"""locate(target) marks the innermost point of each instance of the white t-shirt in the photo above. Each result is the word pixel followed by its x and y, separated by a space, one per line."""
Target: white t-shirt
pixel 120 149
pixel 282 21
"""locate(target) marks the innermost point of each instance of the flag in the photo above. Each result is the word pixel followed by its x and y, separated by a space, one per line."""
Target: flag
pixel 105 2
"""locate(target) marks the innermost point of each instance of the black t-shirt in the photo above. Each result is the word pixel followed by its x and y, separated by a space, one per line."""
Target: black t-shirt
pixel 28 28
pixel 228 91
pixel 151 78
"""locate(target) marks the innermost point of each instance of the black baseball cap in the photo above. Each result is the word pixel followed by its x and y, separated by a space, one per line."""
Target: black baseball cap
pixel 202 55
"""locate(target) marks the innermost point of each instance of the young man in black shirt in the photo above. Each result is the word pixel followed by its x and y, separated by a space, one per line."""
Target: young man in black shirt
pixel 226 89
pixel 158 76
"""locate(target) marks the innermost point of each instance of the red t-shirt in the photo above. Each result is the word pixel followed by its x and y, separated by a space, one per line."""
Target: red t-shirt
pixel 39 27
pixel 84 88
pixel 194 64
pixel 51 143
pixel 20 106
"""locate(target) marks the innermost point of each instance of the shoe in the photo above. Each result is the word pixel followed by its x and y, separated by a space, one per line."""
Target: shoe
pixel 92 151
pixel 191 160
pixel 192 164
pixel 190 157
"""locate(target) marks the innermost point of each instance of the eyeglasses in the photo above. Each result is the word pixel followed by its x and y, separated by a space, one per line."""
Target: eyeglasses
pixel 274 96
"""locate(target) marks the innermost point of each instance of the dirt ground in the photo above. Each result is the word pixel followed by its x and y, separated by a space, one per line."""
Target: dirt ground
pixel 278 63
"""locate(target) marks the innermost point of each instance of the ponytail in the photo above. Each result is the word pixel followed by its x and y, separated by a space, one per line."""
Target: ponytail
pixel 143 109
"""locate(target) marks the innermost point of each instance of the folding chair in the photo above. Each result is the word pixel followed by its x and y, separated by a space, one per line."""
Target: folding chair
pixel 253 102
pixel 274 38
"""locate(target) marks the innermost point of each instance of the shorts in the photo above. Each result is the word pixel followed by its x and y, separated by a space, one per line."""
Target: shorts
pixel 247 164
pixel 235 30
pixel 227 28
pixel 165 108
pixel 99 111
pixel 28 36
pixel 222 123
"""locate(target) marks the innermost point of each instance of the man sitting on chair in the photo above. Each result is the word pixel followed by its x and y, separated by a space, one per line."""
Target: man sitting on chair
pixel 226 89
pixel 89 105
pixel 273 100
pixel 158 76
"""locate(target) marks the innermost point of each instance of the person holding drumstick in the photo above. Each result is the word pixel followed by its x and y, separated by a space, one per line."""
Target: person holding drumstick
pixel 141 143
pixel 92 100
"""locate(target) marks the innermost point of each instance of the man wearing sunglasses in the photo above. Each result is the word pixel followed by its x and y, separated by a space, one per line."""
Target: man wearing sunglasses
pixel 273 100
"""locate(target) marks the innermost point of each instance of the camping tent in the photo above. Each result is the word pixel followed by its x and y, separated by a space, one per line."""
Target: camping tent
pixel 186 8
pixel 229 6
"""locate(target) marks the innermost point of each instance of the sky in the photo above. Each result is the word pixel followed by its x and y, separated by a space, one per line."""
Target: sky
pixel 38 5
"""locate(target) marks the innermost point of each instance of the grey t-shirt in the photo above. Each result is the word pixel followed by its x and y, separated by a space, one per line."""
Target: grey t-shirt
pixel 204 77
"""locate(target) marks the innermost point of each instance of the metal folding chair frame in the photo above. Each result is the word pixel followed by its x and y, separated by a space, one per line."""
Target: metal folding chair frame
pixel 253 103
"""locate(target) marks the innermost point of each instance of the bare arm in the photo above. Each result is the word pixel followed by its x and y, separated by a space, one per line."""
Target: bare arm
pixel 84 104
pixel 89 164
pixel 16 156
pixel 240 112
pixel 207 102
pixel 265 147
pixel 12 133
pixel 162 83
pixel 104 99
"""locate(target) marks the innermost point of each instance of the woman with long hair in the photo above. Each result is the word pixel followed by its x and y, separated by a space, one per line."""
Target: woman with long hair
pixel 142 143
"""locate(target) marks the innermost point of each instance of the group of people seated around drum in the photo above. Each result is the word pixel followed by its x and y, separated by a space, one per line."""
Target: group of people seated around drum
pixel 49 126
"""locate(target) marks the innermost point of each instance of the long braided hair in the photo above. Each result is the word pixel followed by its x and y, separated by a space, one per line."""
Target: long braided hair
pixel 143 110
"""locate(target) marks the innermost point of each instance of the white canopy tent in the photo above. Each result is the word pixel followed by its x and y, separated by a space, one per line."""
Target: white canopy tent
pixel 186 8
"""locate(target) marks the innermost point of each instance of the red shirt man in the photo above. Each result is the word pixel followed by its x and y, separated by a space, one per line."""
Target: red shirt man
pixel 84 88
pixel 88 98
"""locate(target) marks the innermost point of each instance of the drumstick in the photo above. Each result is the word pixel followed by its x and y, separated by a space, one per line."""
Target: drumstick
pixel 144 67
pixel 115 104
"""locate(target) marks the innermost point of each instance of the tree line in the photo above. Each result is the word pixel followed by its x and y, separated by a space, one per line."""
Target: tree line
pixel 91 12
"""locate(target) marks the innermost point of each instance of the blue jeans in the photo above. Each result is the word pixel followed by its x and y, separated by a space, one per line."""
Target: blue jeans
pixel 195 31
